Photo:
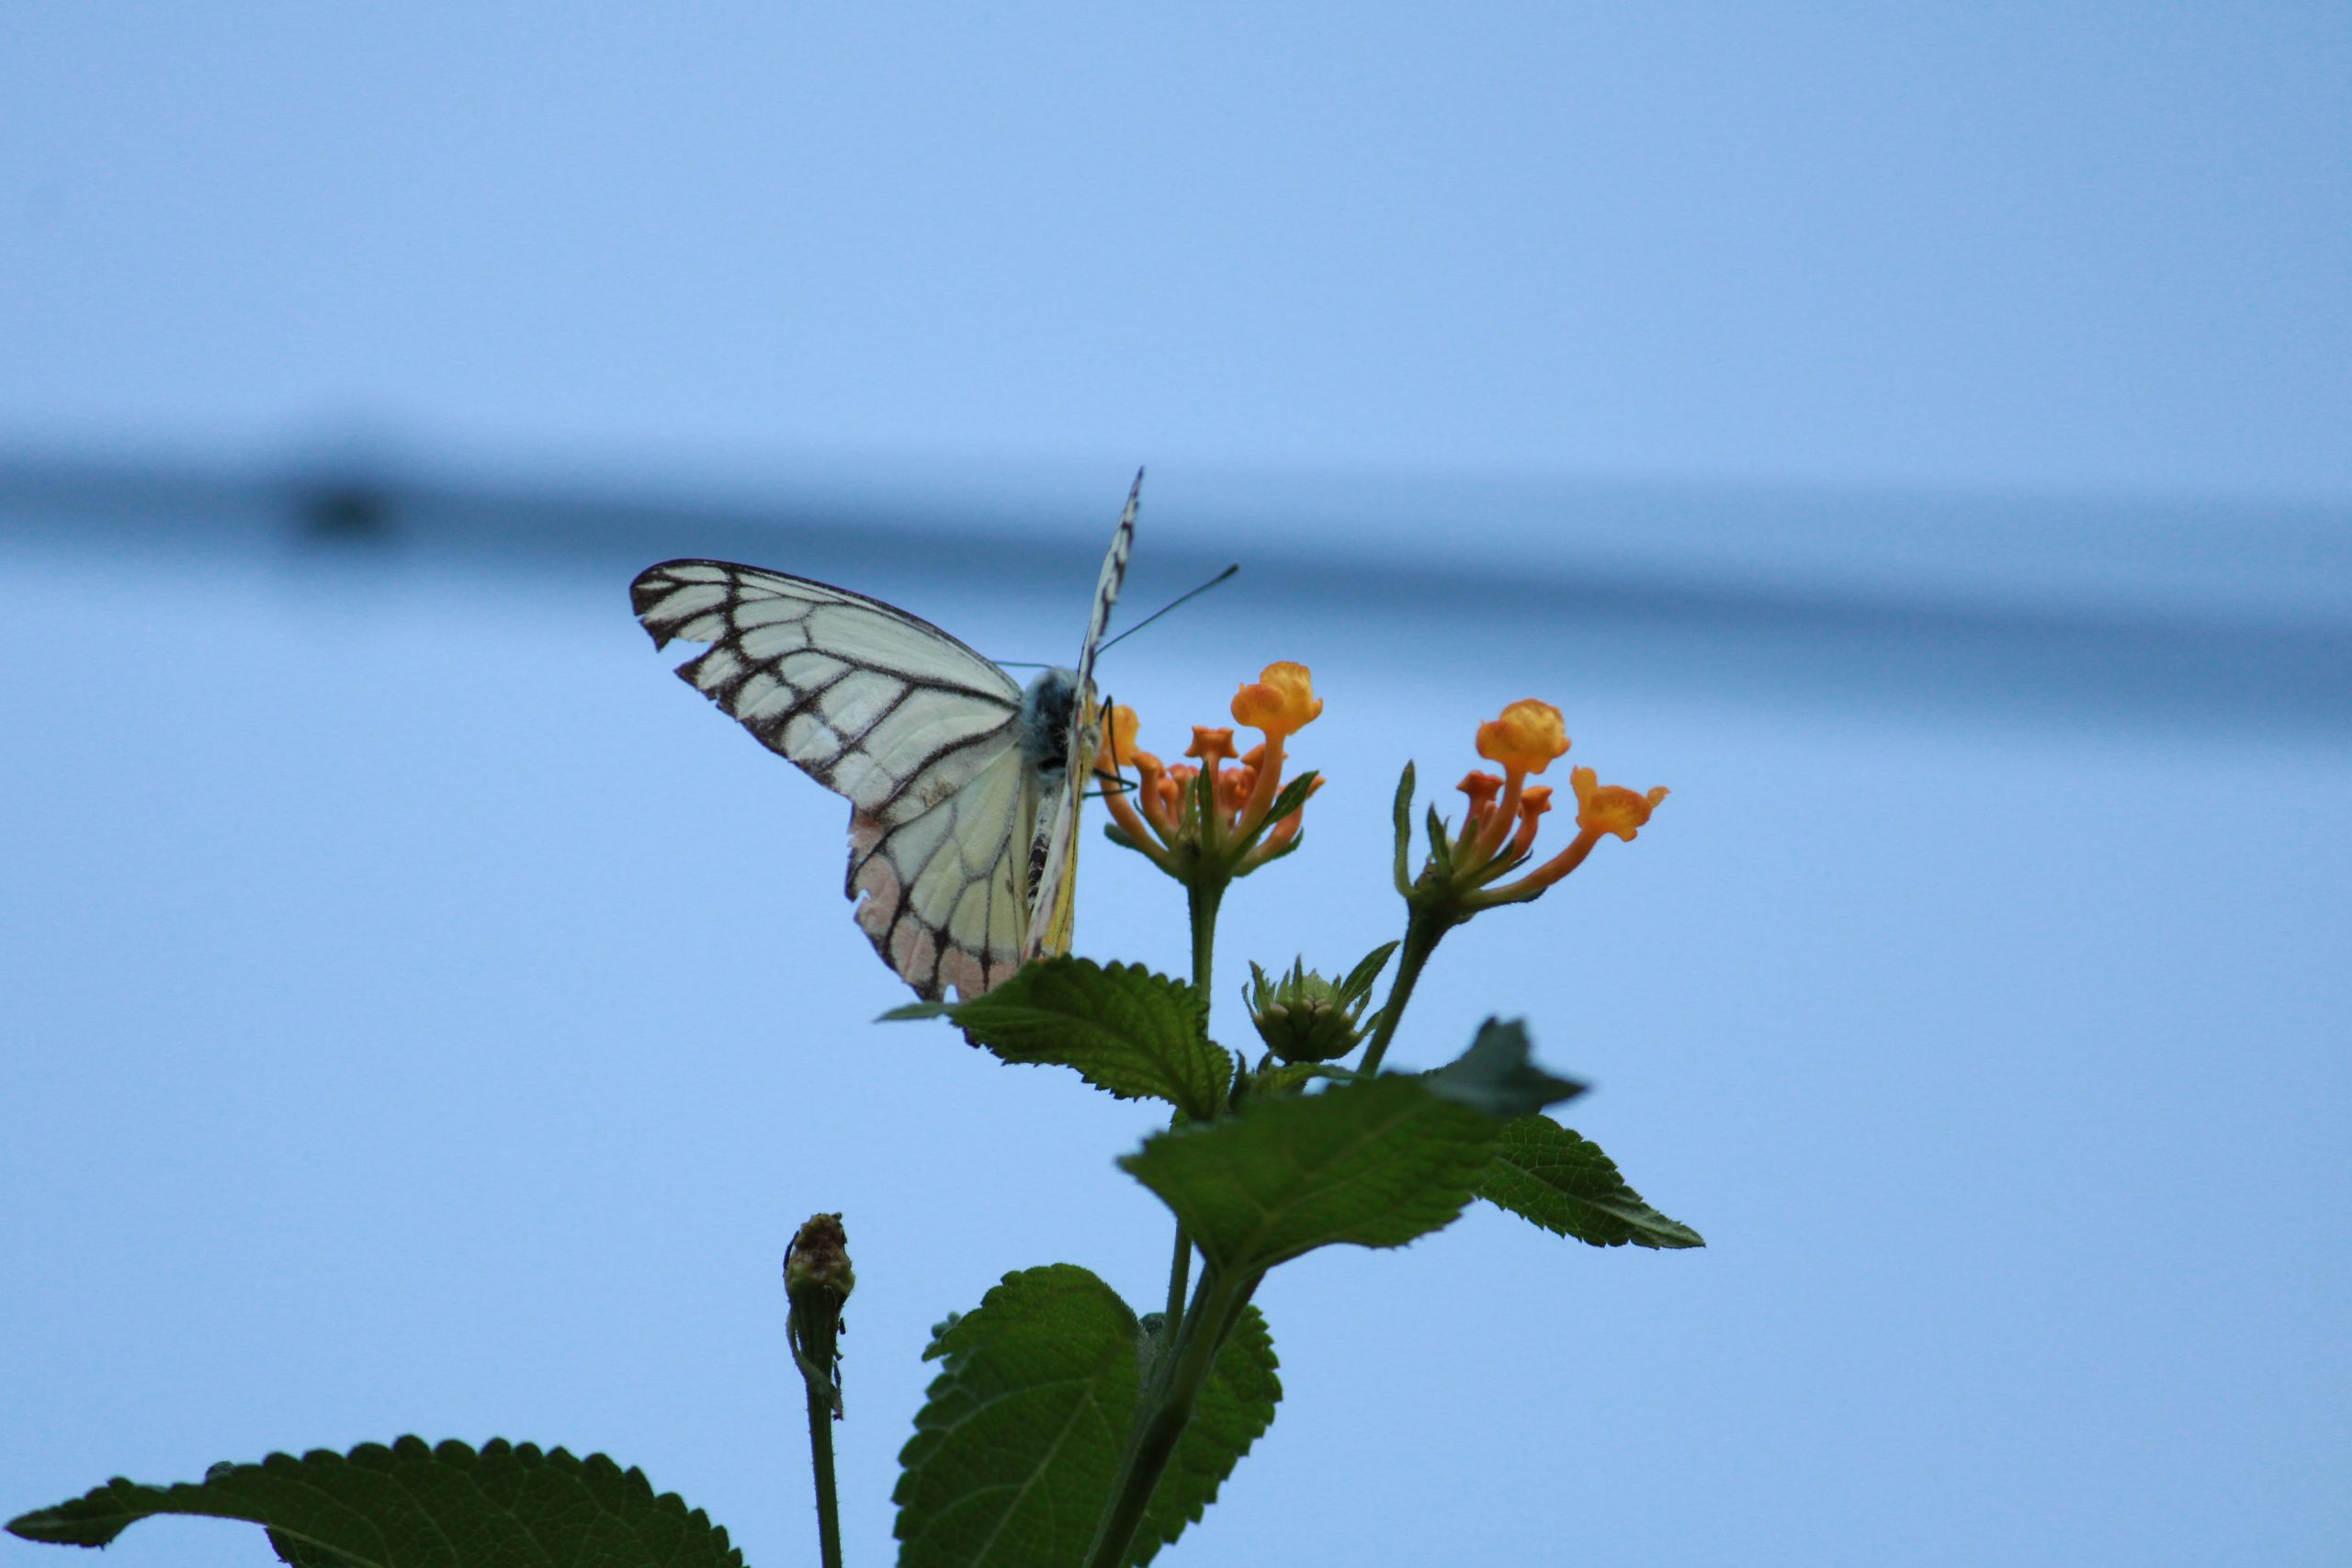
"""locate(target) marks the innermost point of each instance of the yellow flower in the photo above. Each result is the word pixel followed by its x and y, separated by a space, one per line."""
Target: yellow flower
pixel 1282 701
pixel 1526 738
pixel 1611 809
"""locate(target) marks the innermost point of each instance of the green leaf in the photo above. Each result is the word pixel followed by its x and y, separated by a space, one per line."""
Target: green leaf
pixel 1292 796
pixel 296 1553
pixel 1234 1409
pixel 1441 847
pixel 1496 1076
pixel 1016 1447
pixel 1123 1029
pixel 418 1506
pixel 1549 1176
pixel 1290 847
pixel 1375 1162
pixel 1360 979
pixel 1403 813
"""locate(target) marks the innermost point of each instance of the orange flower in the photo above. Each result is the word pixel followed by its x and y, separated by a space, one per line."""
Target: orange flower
pixel 1281 702
pixel 1119 749
pixel 1612 809
pixel 1481 788
pixel 1215 827
pixel 1525 740
pixel 1119 730
pixel 1233 787
pixel 1499 833
pixel 1211 746
pixel 1532 803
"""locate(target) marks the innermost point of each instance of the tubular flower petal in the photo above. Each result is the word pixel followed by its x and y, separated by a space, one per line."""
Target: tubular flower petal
pixel 1210 830
pixel 1612 809
pixel 1233 787
pixel 1481 788
pixel 1528 735
pixel 1282 701
pixel 1532 803
pixel 1462 875
pixel 1119 736
pixel 1119 751
pixel 1211 746
pixel 1181 776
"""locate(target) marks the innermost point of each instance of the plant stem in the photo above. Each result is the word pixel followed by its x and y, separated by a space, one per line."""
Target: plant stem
pixel 1203 901
pixel 1167 1410
pixel 1202 897
pixel 820 1458
pixel 1180 1269
pixel 1422 933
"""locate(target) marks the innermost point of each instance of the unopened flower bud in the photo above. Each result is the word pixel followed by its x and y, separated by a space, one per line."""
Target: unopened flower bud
pixel 1301 1017
pixel 819 1259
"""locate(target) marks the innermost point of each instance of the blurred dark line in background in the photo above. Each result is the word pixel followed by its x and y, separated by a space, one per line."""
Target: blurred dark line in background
pixel 2163 612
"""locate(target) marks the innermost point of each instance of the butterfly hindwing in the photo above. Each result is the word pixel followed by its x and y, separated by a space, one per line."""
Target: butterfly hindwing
pixel 941 894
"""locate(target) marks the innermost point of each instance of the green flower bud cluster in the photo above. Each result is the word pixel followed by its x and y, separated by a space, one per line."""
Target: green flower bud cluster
pixel 1302 1017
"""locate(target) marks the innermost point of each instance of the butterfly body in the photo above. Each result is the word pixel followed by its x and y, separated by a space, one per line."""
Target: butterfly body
pixel 963 785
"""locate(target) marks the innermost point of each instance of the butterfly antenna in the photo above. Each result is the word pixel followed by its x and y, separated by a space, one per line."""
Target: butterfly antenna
pixel 1179 599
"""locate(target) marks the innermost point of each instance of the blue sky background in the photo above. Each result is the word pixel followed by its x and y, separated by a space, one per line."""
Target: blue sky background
pixel 1916 437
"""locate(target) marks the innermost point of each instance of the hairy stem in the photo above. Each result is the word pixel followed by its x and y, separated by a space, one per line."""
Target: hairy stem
pixel 1167 1409
pixel 819 1384
pixel 821 1455
pixel 1422 933
pixel 1202 897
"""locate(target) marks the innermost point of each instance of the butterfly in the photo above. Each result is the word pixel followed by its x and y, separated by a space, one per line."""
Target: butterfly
pixel 963 786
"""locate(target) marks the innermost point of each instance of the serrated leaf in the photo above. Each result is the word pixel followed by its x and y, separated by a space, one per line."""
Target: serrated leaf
pixel 420 1505
pixel 1018 1443
pixel 1553 1178
pixel 296 1553
pixel 1496 1075
pixel 1234 1409
pixel 1375 1162
pixel 1124 1029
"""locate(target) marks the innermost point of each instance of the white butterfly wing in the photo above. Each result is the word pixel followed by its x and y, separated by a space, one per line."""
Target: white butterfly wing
pixel 876 703
pixel 925 738
pixel 919 731
pixel 941 894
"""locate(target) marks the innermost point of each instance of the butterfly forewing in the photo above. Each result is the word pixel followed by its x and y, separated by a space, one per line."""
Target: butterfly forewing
pixel 876 703
pixel 1052 852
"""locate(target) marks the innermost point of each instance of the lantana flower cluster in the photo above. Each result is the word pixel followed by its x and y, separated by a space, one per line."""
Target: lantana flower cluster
pixel 1499 831
pixel 1225 811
